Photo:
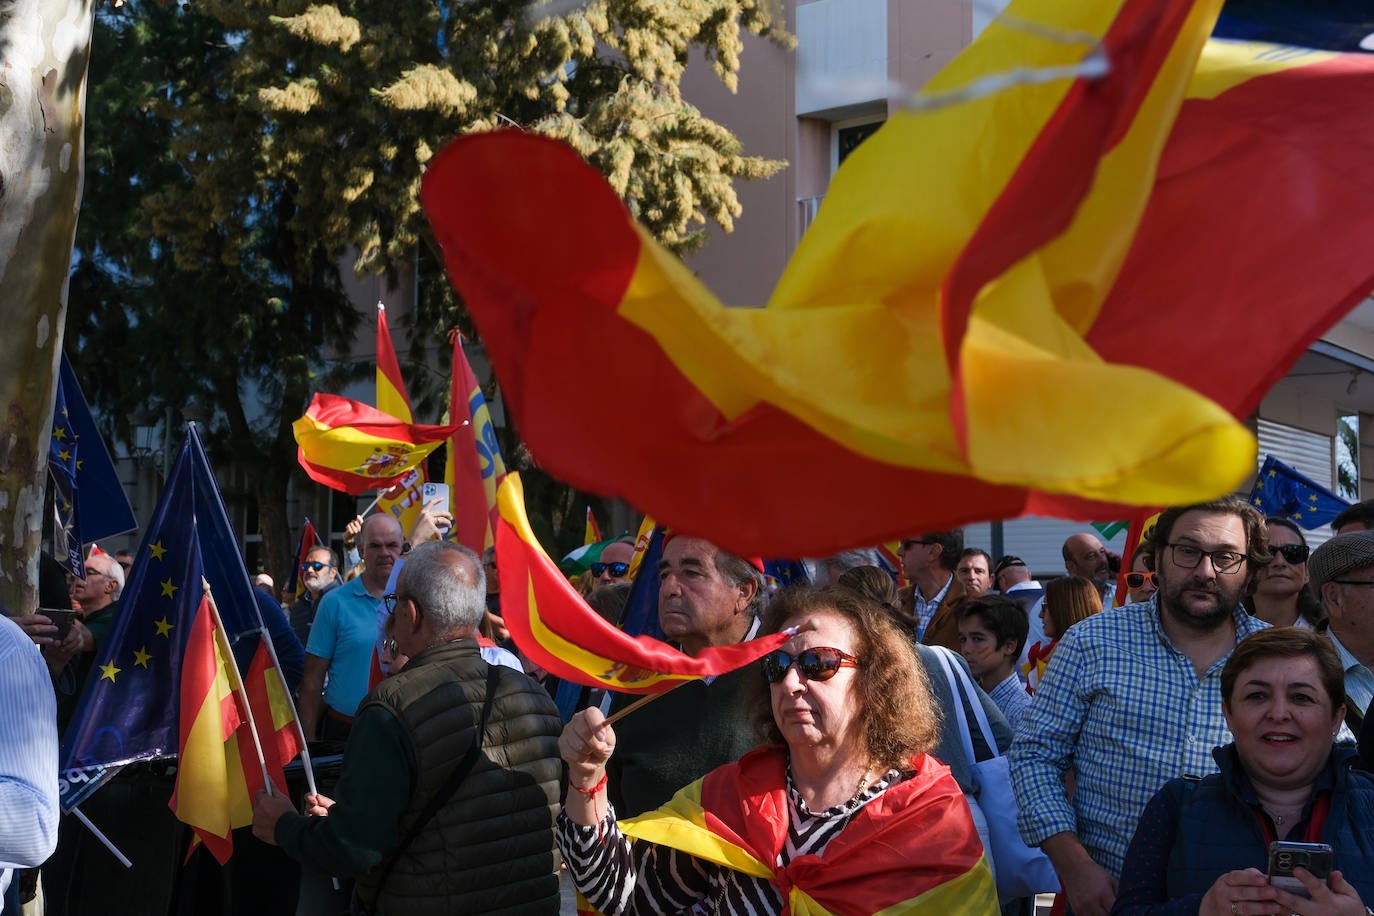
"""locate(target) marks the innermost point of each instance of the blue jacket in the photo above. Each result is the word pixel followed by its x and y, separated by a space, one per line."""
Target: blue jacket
pixel 1196 830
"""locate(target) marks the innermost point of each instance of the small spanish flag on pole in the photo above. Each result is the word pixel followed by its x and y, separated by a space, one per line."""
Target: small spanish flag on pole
pixel 352 447
pixel 591 534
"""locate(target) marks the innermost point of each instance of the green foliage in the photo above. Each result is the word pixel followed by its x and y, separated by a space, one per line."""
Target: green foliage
pixel 240 149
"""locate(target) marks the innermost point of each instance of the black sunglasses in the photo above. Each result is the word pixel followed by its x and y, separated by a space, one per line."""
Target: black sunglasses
pixel 818 664
pixel 615 569
pixel 1137 579
pixel 1293 554
pixel 315 565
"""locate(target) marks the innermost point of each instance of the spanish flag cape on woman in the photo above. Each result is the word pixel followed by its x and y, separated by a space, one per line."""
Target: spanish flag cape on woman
pixel 913 849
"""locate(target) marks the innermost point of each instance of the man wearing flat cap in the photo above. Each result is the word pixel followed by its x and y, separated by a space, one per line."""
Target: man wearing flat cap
pixel 1342 572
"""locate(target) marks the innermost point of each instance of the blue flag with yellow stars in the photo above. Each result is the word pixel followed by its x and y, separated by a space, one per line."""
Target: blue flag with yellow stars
pixel 1284 491
pixel 90 499
pixel 62 462
pixel 128 709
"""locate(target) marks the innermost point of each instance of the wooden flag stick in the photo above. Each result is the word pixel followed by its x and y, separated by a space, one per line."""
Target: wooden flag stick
pixel 645 701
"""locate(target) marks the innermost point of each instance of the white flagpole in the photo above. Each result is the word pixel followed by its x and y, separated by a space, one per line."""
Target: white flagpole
pixel 81 816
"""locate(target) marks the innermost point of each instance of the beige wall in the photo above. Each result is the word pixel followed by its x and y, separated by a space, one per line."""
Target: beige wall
pixel 742 267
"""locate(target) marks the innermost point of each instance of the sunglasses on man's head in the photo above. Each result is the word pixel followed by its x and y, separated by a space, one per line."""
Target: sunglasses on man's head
pixel 1293 554
pixel 313 566
pixel 615 569
pixel 1137 579
pixel 818 664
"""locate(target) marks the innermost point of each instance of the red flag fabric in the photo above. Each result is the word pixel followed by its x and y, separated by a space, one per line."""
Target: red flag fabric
pixel 1001 351
pixel 310 539
pixel 556 629
pixel 350 446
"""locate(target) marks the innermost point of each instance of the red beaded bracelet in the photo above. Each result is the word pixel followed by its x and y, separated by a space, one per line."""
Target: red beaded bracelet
pixel 594 789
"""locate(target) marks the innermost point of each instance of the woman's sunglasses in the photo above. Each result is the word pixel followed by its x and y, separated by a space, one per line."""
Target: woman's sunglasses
pixel 1293 554
pixel 818 664
pixel 617 570
pixel 1136 580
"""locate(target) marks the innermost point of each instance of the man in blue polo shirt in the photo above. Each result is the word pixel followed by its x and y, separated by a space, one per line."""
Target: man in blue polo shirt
pixel 344 633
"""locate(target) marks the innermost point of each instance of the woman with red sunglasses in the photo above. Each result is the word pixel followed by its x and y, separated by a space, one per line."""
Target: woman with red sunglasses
pixel 841 809
pixel 1281 594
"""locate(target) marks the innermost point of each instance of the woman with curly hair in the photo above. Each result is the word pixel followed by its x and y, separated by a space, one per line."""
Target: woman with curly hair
pixel 841 810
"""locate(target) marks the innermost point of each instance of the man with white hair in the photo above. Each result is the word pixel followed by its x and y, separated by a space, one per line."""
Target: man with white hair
pixel 1342 572
pixel 449 787
pixel 70 657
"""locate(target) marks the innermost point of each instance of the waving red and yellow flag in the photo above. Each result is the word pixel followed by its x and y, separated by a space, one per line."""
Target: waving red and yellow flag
pixel 912 850
pixel 959 325
pixel 560 633
pixel 352 447
pixel 393 399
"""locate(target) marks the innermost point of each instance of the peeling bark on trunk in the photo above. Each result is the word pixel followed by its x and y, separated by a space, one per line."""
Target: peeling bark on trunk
pixel 44 50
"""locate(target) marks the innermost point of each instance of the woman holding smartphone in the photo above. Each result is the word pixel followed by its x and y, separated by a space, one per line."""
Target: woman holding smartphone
pixel 1203 845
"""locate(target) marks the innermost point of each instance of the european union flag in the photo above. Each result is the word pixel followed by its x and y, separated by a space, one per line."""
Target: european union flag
pixel 87 484
pixel 129 705
pixel 780 574
pixel 1281 490
pixel 641 608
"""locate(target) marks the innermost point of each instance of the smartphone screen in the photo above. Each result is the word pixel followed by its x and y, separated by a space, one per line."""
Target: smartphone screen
pixel 1285 856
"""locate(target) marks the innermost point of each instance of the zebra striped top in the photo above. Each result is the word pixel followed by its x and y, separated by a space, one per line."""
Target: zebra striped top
pixel 618 876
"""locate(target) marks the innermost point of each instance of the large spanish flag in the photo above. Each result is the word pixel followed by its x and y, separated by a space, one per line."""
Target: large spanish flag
pixel 556 629
pixel 352 447
pixel 912 850
pixel 987 284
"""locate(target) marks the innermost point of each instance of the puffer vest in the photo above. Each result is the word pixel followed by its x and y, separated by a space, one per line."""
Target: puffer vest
pixel 490 847
pixel 1219 831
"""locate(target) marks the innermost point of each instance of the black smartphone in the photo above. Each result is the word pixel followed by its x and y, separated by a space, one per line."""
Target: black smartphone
pixel 1285 856
pixel 62 619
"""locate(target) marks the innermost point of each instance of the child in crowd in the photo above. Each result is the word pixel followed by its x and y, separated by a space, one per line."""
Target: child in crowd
pixel 992 633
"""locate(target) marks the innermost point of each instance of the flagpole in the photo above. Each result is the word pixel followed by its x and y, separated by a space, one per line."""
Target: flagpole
pixel 372 505
pixel 295 716
pixel 105 841
pixel 645 701
pixel 236 684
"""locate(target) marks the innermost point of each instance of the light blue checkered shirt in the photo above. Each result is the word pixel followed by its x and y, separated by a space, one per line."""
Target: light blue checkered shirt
pixel 28 754
pixel 1126 710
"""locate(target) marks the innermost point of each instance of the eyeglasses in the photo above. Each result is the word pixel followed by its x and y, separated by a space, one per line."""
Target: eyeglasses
pixel 1136 579
pixel 908 543
pixel 1186 556
pixel 818 664
pixel 616 570
pixel 390 602
pixel 95 572
pixel 1293 554
pixel 1351 581
pixel 315 566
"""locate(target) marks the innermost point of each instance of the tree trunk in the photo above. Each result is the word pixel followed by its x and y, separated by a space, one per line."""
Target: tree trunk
pixel 44 49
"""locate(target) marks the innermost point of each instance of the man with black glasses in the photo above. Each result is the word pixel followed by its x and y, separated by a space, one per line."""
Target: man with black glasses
pixel 1342 573
pixel 933 598
pixel 614 563
pixel 1132 699
pixel 319 575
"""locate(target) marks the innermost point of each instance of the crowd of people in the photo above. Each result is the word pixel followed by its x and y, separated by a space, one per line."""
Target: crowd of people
pixel 1150 753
